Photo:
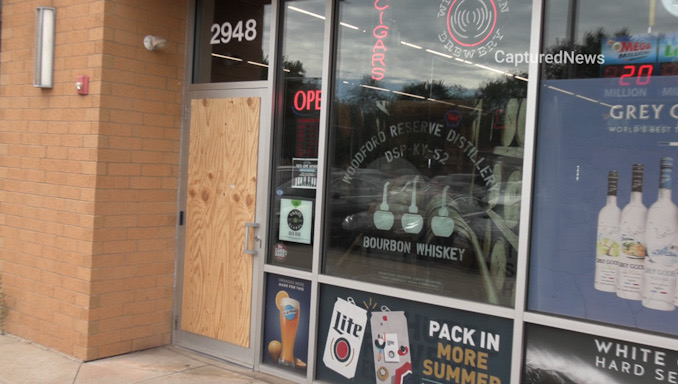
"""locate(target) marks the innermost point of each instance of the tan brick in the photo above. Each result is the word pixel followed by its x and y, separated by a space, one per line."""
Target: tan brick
pixel 85 354
pixel 147 342
pixel 164 305
pixel 139 307
pixel 113 349
pixel 137 283
pixel 115 324
pixel 160 269
pixel 113 298
pixel 106 286
pixel 155 293
pixel 64 266
pixel 138 332
pixel 108 312
pixel 104 338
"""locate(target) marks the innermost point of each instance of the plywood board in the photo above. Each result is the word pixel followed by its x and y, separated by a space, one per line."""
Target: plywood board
pixel 221 197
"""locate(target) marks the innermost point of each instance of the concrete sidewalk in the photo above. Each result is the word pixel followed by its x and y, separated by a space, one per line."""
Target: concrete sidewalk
pixel 23 362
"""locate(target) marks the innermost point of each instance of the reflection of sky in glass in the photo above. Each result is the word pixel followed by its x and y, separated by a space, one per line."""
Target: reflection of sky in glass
pixel 610 15
pixel 414 51
pixel 304 34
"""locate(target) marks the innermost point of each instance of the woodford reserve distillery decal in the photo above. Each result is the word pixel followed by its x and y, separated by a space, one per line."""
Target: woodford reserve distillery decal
pixel 435 140
pixel 424 202
pixel 439 133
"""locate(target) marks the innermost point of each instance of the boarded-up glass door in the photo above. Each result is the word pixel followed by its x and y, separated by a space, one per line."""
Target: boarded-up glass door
pixel 220 201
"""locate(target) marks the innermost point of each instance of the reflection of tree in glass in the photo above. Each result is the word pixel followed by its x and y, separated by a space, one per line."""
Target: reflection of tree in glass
pixel 435 89
pixel 591 44
pixel 366 97
pixel 295 77
pixel 496 93
pixel 295 68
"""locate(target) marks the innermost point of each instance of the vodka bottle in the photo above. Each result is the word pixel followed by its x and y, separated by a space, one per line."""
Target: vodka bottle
pixel 632 241
pixel 607 247
pixel 659 276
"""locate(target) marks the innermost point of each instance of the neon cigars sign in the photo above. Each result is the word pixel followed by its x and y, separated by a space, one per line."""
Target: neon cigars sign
pixel 380 32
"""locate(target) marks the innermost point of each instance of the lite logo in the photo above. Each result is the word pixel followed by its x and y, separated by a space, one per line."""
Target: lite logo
pixel 344 324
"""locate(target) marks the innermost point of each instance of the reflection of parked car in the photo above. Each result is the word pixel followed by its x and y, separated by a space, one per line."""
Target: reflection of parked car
pixel 344 198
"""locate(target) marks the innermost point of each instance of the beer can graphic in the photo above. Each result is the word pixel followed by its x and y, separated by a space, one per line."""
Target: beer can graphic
pixel 391 347
pixel 345 338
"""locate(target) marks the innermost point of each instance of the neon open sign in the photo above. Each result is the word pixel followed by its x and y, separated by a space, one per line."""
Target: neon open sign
pixel 307 101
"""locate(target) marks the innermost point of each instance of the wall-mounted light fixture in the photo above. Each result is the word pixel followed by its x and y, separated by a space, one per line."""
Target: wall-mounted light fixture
pixel 154 43
pixel 45 21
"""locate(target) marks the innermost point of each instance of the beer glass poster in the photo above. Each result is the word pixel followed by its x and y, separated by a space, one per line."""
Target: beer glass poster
pixel 370 338
pixel 286 322
pixel 605 223
pixel 557 356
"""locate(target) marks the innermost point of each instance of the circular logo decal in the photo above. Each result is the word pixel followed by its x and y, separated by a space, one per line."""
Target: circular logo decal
pixel 280 252
pixel 295 219
pixel 471 22
pixel 453 118
pixel 342 350
pixel 289 312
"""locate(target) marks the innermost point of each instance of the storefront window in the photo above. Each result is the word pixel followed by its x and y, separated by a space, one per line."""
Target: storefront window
pixel 605 226
pixel 231 41
pixel 296 138
pixel 426 146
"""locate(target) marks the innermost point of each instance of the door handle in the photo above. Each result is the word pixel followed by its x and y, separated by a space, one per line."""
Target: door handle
pixel 247 238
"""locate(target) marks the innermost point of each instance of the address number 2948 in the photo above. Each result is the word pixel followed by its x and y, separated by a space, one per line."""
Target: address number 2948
pixel 225 32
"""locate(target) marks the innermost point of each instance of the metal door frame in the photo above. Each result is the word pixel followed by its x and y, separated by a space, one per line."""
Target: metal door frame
pixel 213 347
pixel 248 357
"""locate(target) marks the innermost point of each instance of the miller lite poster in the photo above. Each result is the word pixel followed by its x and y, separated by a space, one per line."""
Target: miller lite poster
pixel 345 338
pixel 369 338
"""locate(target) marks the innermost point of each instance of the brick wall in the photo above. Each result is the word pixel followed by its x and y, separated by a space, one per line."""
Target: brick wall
pixel 88 183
